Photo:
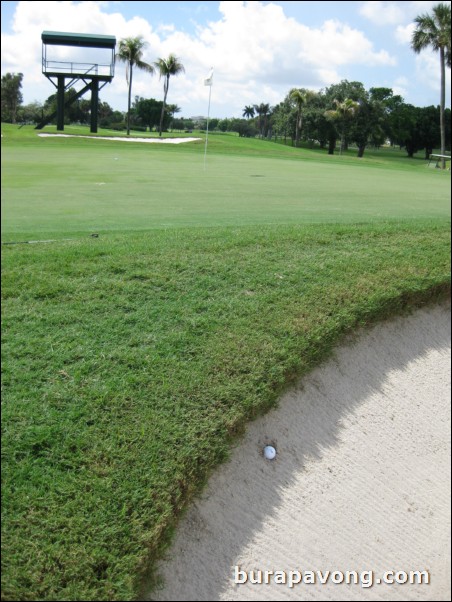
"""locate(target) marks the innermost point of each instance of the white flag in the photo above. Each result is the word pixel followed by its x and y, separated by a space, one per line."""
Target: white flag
pixel 209 79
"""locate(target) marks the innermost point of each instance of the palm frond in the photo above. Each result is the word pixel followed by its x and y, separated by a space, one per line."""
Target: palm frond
pixel 169 66
pixel 433 29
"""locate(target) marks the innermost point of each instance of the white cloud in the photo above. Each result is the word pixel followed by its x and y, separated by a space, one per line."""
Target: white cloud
pixel 428 72
pixel 253 45
pixel 394 13
pixel 404 33
pixel 165 29
pixel 383 13
pixel 400 86
pixel 424 6
pixel 258 52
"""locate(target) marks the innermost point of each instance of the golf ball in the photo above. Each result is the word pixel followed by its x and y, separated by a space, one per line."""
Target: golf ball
pixel 269 452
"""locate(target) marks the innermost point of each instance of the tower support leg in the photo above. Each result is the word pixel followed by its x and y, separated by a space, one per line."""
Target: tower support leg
pixel 94 105
pixel 60 103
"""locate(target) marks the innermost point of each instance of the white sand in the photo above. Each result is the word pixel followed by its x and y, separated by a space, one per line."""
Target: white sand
pixel 150 140
pixel 361 480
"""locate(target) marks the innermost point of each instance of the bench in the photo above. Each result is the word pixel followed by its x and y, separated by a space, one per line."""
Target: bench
pixel 437 159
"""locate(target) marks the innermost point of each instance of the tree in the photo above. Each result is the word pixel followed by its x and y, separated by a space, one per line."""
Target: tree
pixel 11 95
pixel 317 126
pixel 421 128
pixel 342 92
pixel 243 127
pixel 178 125
pixel 284 119
pixel 368 123
pixel 166 68
pixel 148 111
pixel 131 53
pixel 30 113
pixel 433 30
pixel 413 137
pixel 213 124
pixel 343 114
pixel 108 116
pixel 75 111
pixel 402 124
pixel 224 124
pixel 427 123
pixel 345 89
pixel 298 97
pixel 248 112
pixel 262 111
pixel 388 103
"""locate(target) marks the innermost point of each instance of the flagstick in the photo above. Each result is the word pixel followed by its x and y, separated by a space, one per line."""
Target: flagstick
pixel 207 129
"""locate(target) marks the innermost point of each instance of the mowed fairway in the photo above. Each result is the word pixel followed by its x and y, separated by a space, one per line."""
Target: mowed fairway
pixel 132 360
pixel 68 186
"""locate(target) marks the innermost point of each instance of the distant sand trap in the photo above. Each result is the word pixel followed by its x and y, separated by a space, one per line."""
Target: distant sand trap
pixel 149 140
pixel 361 480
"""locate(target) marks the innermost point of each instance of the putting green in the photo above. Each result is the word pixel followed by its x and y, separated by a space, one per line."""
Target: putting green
pixel 63 187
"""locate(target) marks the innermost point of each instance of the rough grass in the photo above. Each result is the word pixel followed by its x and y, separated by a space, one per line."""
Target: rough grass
pixel 132 360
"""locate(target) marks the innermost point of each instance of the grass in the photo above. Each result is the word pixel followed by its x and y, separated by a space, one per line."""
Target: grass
pixel 131 361
pixel 105 186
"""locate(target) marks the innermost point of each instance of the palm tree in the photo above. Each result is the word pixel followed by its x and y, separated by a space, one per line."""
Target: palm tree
pixel 166 68
pixel 131 53
pixel 343 113
pixel 433 30
pixel 248 112
pixel 262 111
pixel 300 98
pixel 172 110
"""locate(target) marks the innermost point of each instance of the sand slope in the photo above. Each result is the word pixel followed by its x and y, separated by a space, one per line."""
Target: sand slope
pixel 361 480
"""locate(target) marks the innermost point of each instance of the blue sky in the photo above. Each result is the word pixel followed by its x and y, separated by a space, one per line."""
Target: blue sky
pixel 259 50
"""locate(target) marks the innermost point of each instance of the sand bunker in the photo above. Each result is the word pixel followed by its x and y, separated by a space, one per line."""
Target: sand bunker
pixel 148 140
pixel 361 480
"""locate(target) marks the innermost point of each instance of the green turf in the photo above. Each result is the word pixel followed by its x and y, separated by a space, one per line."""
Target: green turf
pixel 130 361
pixel 101 186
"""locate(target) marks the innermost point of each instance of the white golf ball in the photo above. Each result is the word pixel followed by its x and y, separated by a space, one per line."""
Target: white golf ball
pixel 269 452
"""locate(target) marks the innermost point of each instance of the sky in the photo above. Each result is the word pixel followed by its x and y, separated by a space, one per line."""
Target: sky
pixel 258 50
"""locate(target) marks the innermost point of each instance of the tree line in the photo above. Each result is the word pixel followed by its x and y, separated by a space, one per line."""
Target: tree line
pixel 344 114
pixel 333 118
